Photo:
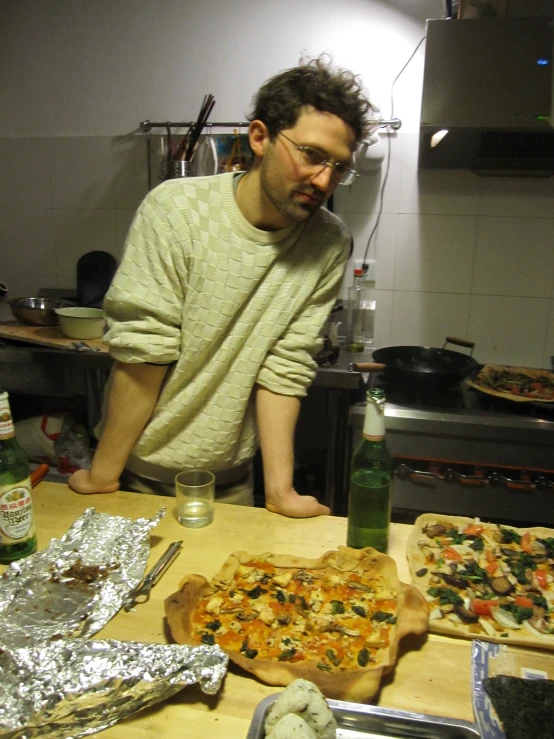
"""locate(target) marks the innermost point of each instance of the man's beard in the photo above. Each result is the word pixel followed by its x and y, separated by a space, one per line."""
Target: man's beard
pixel 289 203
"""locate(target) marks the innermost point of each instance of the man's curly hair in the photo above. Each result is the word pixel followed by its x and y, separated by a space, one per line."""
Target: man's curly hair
pixel 279 102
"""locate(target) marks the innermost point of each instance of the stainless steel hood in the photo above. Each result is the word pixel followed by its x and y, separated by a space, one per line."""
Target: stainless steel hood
pixel 490 84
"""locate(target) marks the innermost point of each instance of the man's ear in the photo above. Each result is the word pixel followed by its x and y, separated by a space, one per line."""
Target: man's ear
pixel 258 137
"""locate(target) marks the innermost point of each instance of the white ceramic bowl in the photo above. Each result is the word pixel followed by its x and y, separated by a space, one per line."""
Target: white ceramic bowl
pixel 81 323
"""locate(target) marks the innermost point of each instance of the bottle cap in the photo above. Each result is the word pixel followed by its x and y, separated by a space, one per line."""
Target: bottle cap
pixel 358 272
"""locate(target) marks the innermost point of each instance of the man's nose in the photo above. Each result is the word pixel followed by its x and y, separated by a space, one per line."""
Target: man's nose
pixel 323 179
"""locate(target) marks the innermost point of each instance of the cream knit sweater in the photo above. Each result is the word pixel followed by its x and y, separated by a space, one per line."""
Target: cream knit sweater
pixel 228 306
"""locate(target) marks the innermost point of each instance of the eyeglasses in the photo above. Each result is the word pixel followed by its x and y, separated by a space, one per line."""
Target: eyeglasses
pixel 313 158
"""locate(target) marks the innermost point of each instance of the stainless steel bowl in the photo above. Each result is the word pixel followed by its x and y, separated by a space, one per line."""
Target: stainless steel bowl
pixel 37 311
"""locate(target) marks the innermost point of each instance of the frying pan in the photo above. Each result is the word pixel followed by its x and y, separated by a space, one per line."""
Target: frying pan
pixel 422 366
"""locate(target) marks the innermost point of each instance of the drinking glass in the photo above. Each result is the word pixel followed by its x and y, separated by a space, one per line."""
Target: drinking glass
pixel 195 493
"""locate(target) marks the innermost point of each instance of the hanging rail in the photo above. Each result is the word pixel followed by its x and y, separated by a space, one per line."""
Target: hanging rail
pixel 147 126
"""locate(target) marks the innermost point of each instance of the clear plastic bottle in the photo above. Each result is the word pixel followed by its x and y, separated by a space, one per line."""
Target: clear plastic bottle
pixel 369 500
pixel 17 525
pixel 355 331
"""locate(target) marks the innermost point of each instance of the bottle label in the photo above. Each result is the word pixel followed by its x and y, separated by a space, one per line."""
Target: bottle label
pixel 16 512
pixel 369 437
pixel 7 430
pixel 374 422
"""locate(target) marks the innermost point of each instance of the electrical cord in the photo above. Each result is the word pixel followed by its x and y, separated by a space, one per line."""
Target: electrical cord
pixel 365 266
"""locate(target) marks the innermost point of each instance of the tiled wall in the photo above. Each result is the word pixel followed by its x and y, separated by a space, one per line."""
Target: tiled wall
pixel 62 197
pixel 457 254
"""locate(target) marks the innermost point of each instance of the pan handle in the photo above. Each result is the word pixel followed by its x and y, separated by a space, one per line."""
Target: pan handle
pixel 460 342
pixel 366 367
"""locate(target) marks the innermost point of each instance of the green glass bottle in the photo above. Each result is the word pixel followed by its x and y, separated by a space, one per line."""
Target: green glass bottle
pixel 369 500
pixel 17 526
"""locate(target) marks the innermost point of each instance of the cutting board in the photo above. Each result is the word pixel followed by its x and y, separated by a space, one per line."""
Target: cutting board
pixel 45 336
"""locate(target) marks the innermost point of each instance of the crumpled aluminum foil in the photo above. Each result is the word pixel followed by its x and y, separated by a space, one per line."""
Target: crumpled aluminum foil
pixel 55 593
pixel 55 685
pixel 74 687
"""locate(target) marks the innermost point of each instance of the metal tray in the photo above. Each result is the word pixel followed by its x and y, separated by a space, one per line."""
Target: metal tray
pixel 360 721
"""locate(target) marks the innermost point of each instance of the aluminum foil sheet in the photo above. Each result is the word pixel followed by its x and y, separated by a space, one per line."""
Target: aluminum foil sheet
pixel 75 687
pixel 77 583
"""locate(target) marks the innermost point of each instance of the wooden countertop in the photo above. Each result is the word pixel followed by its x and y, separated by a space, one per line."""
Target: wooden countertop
pixel 431 676
pixel 50 336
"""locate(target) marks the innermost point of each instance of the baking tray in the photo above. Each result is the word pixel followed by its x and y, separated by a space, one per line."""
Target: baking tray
pixel 361 721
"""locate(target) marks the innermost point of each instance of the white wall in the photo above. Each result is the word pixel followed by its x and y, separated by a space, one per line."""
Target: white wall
pixel 98 67
pixel 456 254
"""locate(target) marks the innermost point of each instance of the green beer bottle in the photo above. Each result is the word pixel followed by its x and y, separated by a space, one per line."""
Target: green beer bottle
pixel 17 525
pixel 369 500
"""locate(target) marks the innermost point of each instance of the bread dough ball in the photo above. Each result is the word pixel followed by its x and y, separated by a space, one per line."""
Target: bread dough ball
pixel 291 726
pixel 304 699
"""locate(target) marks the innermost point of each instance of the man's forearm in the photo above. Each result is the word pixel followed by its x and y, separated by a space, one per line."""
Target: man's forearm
pixel 134 392
pixel 277 416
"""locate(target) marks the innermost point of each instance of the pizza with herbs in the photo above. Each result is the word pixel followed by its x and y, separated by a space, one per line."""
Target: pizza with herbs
pixel 485 580
pixel 336 621
pixel 520 384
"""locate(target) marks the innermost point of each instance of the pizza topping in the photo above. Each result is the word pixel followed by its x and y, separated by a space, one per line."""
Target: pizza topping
pixel 538 628
pixel 300 614
pixel 501 585
pixel 518 381
pixel 482 607
pixel 435 530
pixel 255 592
pixel 304 576
pixel 354 585
pixel 246 651
pixel 504 618
pixel 456 582
pixel 332 657
pixel 214 605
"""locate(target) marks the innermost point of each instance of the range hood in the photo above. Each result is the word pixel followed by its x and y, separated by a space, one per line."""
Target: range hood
pixel 490 84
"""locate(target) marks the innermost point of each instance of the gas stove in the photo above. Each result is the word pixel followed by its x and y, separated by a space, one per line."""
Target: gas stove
pixel 467 453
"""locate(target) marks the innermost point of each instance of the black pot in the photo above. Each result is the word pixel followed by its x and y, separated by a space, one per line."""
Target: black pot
pixel 422 366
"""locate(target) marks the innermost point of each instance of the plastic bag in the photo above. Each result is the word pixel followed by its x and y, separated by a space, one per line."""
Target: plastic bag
pixel 56 439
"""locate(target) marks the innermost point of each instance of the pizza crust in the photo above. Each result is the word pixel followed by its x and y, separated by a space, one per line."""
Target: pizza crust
pixel 417 561
pixel 359 685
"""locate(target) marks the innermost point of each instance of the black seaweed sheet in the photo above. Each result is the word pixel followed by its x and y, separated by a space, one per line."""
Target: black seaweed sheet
pixel 524 707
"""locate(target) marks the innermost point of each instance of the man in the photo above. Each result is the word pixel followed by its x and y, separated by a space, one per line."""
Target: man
pixel 215 312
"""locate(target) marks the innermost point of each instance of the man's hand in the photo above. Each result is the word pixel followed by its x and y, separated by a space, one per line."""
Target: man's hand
pixel 296 506
pixel 82 482
pixel 276 416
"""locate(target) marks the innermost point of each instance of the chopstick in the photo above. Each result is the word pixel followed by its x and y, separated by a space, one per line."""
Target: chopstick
pixel 187 148
pixel 204 121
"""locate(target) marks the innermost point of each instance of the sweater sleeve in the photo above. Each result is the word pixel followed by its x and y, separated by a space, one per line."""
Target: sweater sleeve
pixel 144 303
pixel 289 367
